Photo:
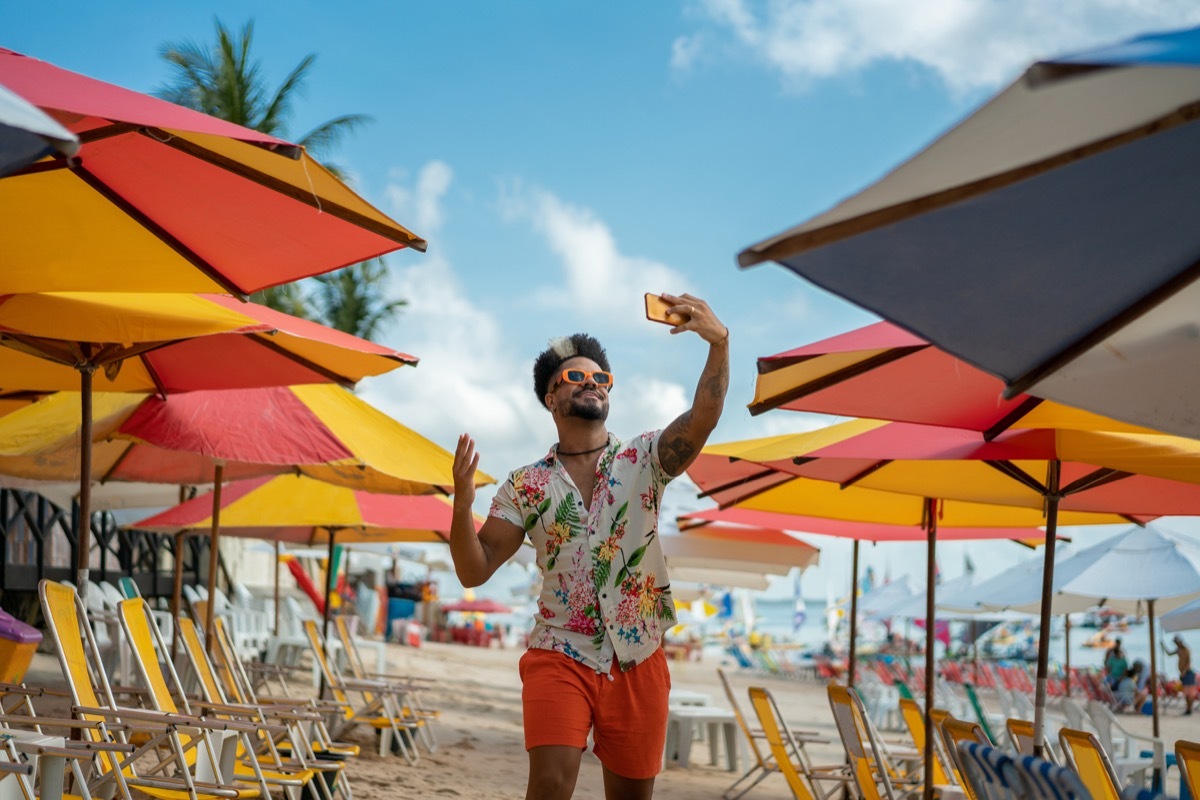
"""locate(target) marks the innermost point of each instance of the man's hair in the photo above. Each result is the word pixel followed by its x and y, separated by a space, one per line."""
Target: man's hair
pixel 561 350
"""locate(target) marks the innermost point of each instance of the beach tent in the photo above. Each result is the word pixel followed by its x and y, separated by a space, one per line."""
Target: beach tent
pixel 1048 238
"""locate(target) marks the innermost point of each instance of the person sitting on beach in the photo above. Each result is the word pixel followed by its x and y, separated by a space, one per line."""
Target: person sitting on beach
pixel 590 507
pixel 1115 665
pixel 1129 694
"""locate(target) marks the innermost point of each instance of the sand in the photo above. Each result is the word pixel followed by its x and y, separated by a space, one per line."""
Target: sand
pixel 480 752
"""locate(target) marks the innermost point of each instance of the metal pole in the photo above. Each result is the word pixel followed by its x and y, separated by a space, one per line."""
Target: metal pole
pixel 850 670
pixel 177 591
pixel 84 531
pixel 1067 650
pixel 1153 670
pixel 930 684
pixel 213 545
pixel 1043 655
pixel 329 585
pixel 278 555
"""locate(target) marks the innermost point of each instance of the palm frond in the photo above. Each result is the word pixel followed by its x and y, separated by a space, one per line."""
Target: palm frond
pixel 327 135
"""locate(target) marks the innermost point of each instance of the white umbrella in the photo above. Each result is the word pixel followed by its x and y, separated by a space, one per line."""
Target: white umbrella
pixel 1140 569
pixel 1184 618
pixel 878 603
pixel 776 559
pixel 27 134
pixel 1020 588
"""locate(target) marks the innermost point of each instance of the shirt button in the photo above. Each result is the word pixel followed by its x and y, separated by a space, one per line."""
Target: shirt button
pixel 604 596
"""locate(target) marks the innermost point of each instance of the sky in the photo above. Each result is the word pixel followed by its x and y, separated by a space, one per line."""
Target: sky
pixel 562 159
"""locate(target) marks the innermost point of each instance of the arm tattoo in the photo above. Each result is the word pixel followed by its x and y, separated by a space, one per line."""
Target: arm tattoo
pixel 675 451
pixel 717 385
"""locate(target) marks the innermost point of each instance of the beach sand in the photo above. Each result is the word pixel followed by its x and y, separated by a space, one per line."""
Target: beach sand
pixel 481 752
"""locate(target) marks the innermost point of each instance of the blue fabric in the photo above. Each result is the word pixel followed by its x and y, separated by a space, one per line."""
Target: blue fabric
pixel 1173 47
pixel 398 608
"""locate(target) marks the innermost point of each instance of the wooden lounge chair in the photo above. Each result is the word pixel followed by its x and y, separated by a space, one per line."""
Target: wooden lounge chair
pixel 788 755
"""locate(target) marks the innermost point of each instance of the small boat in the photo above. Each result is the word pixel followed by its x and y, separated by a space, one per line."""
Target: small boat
pixel 1099 640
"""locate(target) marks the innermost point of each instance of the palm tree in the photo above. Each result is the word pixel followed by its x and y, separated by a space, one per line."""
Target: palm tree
pixel 225 81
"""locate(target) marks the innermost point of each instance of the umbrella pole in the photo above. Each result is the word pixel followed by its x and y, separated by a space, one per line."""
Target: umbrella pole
pixel 213 551
pixel 1153 678
pixel 1043 654
pixel 177 590
pixel 278 555
pixel 83 535
pixel 930 623
pixel 850 667
pixel 1067 653
pixel 330 583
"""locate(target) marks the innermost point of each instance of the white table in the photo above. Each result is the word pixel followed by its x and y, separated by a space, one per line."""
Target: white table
pixel 720 725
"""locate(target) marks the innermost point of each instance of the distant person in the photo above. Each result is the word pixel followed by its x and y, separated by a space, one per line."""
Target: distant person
pixel 367 599
pixel 590 506
pixel 1115 665
pixel 1187 675
pixel 1129 693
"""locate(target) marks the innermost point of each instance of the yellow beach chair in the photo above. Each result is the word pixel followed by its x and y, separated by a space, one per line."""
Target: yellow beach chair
pixel 1187 756
pixel 173 777
pixel 1089 761
pixel 380 707
pixel 147 648
pixel 914 720
pixel 788 755
pixel 953 732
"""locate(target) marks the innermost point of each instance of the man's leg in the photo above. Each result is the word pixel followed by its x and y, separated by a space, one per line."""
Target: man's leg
pixel 553 771
pixel 618 787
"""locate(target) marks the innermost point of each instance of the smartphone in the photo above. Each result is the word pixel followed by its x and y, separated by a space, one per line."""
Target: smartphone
pixel 657 311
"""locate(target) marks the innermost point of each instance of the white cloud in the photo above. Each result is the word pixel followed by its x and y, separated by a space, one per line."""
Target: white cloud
pixel 421 204
pixel 684 52
pixel 969 44
pixel 599 277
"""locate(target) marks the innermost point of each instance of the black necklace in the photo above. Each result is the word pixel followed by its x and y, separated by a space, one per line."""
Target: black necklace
pixel 584 452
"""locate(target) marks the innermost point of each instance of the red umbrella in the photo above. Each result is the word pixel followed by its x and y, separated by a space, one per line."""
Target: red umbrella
pixel 881 371
pixel 483 606
pixel 162 198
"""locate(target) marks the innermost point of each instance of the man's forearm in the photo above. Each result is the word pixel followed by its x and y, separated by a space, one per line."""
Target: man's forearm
pixel 709 400
pixel 469 554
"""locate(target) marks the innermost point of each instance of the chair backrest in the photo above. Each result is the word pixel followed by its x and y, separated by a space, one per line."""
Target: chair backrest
pixel 317 644
pixel 353 657
pixel 228 666
pixel 779 739
pixel 989 773
pixel 1187 756
pixel 959 731
pixel 850 720
pixel 914 718
pixel 210 687
pixel 112 595
pixel 1020 733
pixel 129 587
pixel 980 712
pixel 140 632
pixel 66 619
pixel 741 719
pixel 1077 717
pixel 1046 781
pixel 1085 755
pixel 1105 722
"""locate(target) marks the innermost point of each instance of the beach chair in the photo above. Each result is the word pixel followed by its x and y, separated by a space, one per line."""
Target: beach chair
pixel 1187 756
pixel 955 732
pixel 1020 734
pixel 914 718
pixel 380 707
pixel 1119 744
pixel 875 776
pixel 148 647
pixel 1089 761
pixel 1046 781
pixel 169 777
pixel 788 755
pixel 990 773
pixel 981 715
pixel 309 743
pixel 408 685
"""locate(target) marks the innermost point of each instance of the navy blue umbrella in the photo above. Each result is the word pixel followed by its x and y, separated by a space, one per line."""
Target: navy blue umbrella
pixel 1052 238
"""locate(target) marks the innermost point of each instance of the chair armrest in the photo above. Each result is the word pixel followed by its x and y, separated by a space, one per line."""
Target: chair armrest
pixel 13 768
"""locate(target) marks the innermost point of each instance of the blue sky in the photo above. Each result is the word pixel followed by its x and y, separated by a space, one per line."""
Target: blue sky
pixel 564 158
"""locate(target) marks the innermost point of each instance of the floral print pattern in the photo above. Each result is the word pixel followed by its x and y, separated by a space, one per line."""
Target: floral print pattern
pixel 606 598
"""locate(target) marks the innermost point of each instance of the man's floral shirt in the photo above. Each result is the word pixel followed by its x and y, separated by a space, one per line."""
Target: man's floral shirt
pixel 605 594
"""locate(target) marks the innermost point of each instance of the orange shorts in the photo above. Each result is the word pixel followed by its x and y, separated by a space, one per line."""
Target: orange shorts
pixel 563 699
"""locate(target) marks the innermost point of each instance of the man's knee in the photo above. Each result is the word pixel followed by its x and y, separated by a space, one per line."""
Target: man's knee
pixel 553 771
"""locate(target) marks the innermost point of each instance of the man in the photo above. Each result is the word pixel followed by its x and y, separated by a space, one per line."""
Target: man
pixel 1187 675
pixel 590 508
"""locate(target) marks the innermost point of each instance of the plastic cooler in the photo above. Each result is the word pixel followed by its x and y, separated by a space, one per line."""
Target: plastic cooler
pixel 18 642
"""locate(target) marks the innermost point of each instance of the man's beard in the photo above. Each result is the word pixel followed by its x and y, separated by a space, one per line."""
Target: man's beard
pixel 592 411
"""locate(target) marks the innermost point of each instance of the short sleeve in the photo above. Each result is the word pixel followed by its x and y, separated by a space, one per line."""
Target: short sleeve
pixel 504 504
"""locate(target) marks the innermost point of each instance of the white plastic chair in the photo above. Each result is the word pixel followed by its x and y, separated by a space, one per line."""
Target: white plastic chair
pixel 1120 748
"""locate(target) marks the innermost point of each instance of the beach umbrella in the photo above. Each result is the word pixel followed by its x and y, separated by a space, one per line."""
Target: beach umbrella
pixel 27 134
pixel 321 431
pixel 166 343
pixel 736 547
pixel 478 606
pixel 1048 238
pixel 1184 618
pixel 161 198
pixel 302 510
pixel 1146 569
pixel 881 371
